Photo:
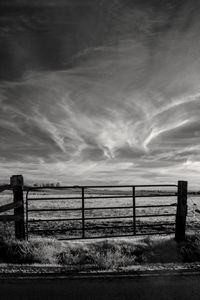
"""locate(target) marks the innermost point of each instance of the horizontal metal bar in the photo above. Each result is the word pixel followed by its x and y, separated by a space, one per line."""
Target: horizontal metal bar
pixel 53 198
pixel 96 237
pixel 100 208
pixel 110 217
pixel 159 205
pixel 127 186
pixel 100 197
pixel 156 196
pixel 161 215
pixel 101 218
pixel 70 238
pixel 155 233
pixel 154 225
pixel 108 207
pixel 108 227
pixel 52 220
pixel 54 230
pixel 78 198
pixel 116 236
pixel 105 227
pixel 98 227
pixel 97 197
pixel 130 196
pixel 108 197
pixel 86 228
pixel 99 186
pixel 54 209
pixel 128 217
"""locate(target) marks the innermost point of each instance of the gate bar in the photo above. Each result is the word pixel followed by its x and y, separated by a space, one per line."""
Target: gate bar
pixel 83 213
pixel 134 216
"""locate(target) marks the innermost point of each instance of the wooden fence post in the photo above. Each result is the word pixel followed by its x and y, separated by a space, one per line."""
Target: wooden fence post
pixel 181 211
pixel 16 182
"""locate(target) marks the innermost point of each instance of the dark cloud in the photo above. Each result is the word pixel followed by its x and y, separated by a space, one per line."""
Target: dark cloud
pixel 38 35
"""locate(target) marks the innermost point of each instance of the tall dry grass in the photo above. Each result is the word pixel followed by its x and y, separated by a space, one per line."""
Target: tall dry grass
pixel 101 255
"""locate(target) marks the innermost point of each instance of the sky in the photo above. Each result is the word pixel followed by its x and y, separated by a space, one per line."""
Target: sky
pixel 100 92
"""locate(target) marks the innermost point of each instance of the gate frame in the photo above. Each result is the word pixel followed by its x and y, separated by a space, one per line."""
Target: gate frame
pixel 180 216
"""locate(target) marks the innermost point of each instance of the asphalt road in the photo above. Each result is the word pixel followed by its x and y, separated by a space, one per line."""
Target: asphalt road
pixel 137 288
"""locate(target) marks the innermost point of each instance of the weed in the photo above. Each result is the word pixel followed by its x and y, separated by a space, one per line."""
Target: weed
pixel 190 249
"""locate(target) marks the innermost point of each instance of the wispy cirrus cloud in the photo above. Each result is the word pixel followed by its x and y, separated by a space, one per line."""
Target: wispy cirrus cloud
pixel 126 109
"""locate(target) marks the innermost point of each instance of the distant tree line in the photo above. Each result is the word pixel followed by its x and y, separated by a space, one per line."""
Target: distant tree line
pixel 47 184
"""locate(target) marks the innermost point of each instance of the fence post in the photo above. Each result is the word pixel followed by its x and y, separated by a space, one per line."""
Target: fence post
pixel 181 211
pixel 83 212
pixel 16 182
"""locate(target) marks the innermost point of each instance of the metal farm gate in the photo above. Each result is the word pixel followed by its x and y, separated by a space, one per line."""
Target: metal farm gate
pixel 75 212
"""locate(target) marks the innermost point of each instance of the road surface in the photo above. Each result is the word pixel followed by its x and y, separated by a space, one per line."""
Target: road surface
pixel 95 288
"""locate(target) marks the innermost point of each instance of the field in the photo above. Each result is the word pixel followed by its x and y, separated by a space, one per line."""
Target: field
pixel 42 212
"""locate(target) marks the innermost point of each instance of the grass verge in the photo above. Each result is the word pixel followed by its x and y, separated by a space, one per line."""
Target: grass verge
pixel 107 254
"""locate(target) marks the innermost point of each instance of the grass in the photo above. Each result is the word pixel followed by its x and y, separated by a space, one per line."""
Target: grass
pixel 190 249
pixel 101 255
pixel 112 254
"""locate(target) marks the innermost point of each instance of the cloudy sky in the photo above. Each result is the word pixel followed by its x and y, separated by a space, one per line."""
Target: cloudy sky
pixel 98 91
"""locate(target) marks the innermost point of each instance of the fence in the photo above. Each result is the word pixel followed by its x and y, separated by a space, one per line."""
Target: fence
pixel 87 218
pixel 16 185
pixel 85 215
